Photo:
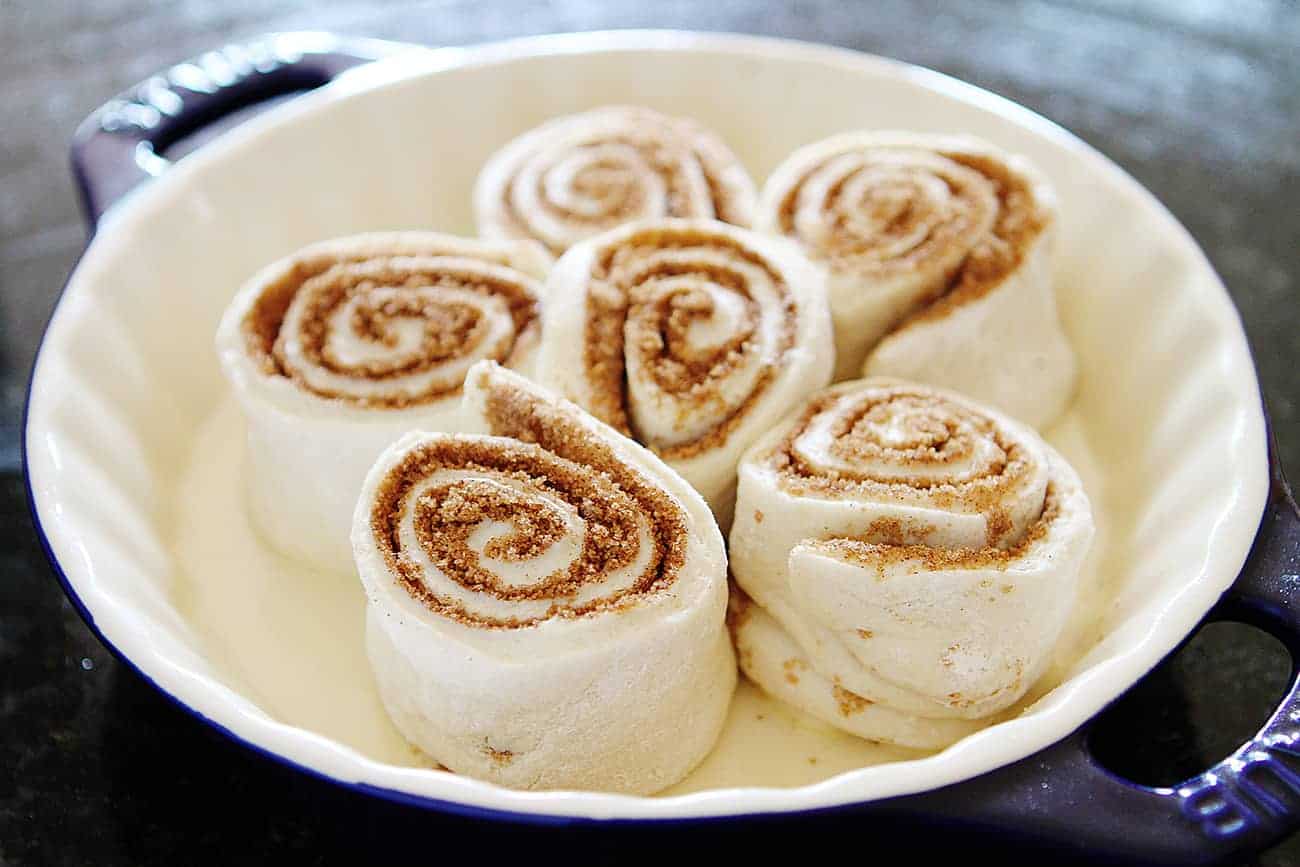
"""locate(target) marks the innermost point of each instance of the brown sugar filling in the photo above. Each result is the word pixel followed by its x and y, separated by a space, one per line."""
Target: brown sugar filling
pixel 557 455
pixel 1021 218
pixel 619 291
pixel 879 551
pixel 935 446
pixel 451 329
pixel 934 424
pixel 600 179
pixel 663 143
pixel 849 703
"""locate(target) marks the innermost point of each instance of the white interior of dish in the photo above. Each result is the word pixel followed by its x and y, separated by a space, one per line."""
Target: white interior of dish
pixel 1167 414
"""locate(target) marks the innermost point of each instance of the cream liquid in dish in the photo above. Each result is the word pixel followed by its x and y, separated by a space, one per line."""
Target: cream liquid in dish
pixel 292 638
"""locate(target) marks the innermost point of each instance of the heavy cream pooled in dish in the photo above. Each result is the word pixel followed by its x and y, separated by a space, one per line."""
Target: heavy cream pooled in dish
pixel 907 560
pixel 546 598
pixel 582 174
pixel 939 250
pixel 691 336
pixel 340 348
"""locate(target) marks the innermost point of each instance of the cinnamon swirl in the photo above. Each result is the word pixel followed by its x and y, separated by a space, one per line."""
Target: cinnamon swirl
pixel 546 597
pixel 340 348
pixel 579 175
pixel 912 558
pixel 692 336
pixel 939 255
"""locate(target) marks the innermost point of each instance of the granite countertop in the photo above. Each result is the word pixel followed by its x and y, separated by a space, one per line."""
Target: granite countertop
pixel 1200 101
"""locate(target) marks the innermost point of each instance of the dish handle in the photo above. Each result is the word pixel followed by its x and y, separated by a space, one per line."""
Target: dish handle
pixel 122 144
pixel 1063 798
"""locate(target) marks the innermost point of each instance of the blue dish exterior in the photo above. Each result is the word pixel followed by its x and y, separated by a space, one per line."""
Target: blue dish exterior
pixel 1058 800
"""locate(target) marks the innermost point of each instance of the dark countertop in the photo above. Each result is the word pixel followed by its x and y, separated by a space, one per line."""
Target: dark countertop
pixel 1200 101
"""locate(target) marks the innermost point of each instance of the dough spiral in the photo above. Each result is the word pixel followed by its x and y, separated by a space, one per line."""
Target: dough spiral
pixel 913 557
pixel 693 337
pixel 939 255
pixel 338 349
pixel 582 174
pixel 546 598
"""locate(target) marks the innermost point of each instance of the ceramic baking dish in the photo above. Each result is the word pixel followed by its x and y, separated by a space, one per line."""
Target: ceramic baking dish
pixel 1168 408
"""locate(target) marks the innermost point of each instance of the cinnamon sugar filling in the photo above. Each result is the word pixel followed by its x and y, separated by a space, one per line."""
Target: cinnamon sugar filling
pixel 375 282
pixel 623 302
pixel 666 147
pixel 939 441
pixel 614 184
pixel 557 456
pixel 879 550
pixel 1019 220
pixel 939 434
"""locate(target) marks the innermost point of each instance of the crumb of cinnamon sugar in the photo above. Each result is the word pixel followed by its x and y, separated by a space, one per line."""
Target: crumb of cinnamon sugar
pixel 849 702
pixel 792 667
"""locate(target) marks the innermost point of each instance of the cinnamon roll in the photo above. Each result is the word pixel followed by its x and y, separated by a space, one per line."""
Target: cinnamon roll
pixel 906 560
pixel 939 254
pixel 546 598
pixel 338 349
pixel 581 174
pixel 691 336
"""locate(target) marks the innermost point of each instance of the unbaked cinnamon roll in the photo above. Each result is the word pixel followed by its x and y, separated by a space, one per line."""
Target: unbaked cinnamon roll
pixel 579 175
pixel 691 336
pixel 906 560
pixel 939 255
pixel 338 349
pixel 546 598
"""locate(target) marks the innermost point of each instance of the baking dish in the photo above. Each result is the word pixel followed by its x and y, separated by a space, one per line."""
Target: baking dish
pixel 391 137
